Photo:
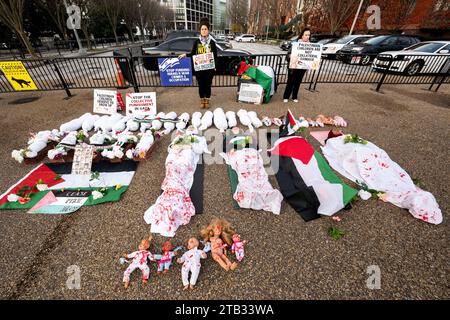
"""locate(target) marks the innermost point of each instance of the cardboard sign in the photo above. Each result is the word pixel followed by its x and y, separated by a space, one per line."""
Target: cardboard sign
pixel 305 55
pixel 251 93
pixel 17 75
pixel 82 159
pixel 204 61
pixel 141 104
pixel 61 202
pixel 105 101
pixel 175 72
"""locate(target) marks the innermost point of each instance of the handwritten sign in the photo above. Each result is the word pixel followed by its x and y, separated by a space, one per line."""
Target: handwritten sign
pixel 105 101
pixel 61 202
pixel 141 104
pixel 175 72
pixel 305 55
pixel 17 75
pixel 204 61
pixel 82 159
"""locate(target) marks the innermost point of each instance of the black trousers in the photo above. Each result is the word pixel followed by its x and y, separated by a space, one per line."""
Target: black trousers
pixel 295 77
pixel 204 79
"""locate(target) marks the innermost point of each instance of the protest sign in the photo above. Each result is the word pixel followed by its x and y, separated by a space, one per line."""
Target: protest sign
pixel 82 159
pixel 141 104
pixel 305 55
pixel 175 72
pixel 251 93
pixel 204 61
pixel 105 101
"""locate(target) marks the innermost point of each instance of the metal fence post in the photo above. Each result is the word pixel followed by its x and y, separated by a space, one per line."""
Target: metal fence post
pixel 444 71
pixel 133 74
pixel 384 74
pixel 63 82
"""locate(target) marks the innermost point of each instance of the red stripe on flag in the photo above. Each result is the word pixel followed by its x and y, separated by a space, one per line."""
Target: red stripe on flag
pixel 294 147
pixel 40 172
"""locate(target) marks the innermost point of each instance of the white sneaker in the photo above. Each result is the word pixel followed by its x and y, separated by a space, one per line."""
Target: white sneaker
pixel 295 100
pixel 285 100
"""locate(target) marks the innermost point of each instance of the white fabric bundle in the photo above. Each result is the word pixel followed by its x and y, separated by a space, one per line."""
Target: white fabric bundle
pixel 169 126
pixel 145 126
pixel 74 124
pixel 109 123
pixel 132 125
pixel 245 119
pixel 99 123
pixel 206 120
pixel 121 125
pixel 97 138
pixel 88 123
pixel 70 138
pixel 183 120
pixel 303 123
pixel 196 119
pixel 145 143
pixel 37 146
pixel 157 124
pixel 231 117
pixel 267 122
pixel 220 120
pixel 255 120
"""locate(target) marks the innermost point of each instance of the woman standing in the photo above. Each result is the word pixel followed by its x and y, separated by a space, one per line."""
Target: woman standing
pixel 204 44
pixel 295 76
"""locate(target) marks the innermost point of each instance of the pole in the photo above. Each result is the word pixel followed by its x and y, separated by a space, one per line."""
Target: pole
pixel 356 17
pixel 80 46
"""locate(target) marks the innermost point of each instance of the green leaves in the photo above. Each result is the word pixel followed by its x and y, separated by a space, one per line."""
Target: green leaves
pixel 94 175
pixel 354 138
pixel 335 233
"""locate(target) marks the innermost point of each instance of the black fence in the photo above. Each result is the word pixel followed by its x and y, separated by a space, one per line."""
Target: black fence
pixel 125 70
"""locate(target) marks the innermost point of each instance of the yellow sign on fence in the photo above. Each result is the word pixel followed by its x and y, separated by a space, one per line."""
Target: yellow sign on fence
pixel 17 75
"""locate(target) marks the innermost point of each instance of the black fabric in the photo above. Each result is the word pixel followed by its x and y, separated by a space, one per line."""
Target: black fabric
pixel 102 166
pixel 300 197
pixel 295 77
pixel 204 79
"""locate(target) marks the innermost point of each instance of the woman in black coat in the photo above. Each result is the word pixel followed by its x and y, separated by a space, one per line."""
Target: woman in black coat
pixel 204 44
pixel 295 76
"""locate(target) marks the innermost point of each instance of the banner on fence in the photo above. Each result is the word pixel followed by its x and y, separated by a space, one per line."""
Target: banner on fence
pixel 141 104
pixel 175 72
pixel 305 55
pixel 105 101
pixel 17 75
pixel 204 61
pixel 251 93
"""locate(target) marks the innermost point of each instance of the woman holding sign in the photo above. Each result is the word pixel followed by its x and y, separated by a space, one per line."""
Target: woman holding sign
pixel 295 76
pixel 204 56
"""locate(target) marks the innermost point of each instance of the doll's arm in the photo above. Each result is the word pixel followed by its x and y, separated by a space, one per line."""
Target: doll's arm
pixel 157 256
pixel 181 260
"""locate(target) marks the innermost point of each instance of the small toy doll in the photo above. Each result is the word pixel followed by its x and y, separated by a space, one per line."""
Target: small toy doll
pixel 165 259
pixel 191 262
pixel 140 258
pixel 238 247
pixel 219 233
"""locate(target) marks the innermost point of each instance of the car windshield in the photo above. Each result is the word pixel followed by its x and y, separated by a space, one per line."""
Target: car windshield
pixel 426 47
pixel 344 40
pixel 376 40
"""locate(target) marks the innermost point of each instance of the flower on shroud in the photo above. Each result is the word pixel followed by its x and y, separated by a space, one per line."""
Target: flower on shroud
pixel 41 186
pixel 337 218
pixel 97 195
pixel 23 200
pixel 18 155
pixel 13 197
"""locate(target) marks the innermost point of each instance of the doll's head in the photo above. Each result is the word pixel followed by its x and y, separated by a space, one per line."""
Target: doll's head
pixel 218 228
pixel 236 237
pixel 192 243
pixel 145 243
pixel 167 246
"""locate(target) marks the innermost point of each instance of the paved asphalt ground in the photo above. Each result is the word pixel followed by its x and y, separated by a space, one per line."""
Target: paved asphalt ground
pixel 286 257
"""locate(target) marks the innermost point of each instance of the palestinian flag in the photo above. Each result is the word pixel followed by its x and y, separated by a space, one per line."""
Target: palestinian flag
pixel 113 177
pixel 306 180
pixel 290 125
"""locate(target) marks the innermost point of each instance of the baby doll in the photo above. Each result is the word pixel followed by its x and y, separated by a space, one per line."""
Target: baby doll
pixel 165 259
pixel 219 233
pixel 140 258
pixel 191 262
pixel 238 247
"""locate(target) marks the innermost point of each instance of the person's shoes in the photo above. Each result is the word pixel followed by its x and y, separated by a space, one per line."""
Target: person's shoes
pixel 285 100
pixel 202 103
pixel 295 100
pixel 206 103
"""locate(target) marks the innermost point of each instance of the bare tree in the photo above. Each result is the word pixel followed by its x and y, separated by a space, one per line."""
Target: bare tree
pixel 337 12
pixel 395 12
pixel 112 9
pixel 131 16
pixel 56 11
pixel 237 11
pixel 11 14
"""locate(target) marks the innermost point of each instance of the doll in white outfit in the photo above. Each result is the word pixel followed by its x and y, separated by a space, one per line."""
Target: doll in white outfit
pixel 238 247
pixel 140 259
pixel 191 262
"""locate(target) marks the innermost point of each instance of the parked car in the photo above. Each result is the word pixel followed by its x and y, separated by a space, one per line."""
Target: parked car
pixel 230 36
pixel 325 41
pixel 424 57
pixel 246 38
pixel 319 36
pixel 329 50
pixel 364 52
pixel 227 62
pixel 224 43
pixel 286 45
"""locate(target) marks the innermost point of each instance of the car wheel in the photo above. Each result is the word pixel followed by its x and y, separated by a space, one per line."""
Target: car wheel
pixel 414 68
pixel 365 60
